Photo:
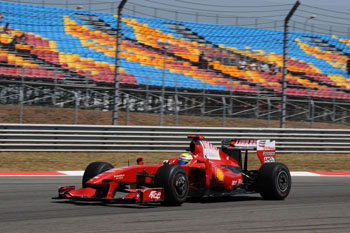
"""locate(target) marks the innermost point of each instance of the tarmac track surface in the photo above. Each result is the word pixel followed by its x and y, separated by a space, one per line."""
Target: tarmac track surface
pixel 315 204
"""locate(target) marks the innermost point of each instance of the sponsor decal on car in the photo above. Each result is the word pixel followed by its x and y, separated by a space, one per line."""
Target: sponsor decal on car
pixel 119 177
pixel 154 195
pixel 219 175
pixel 266 145
pixel 269 159
pixel 245 142
pixel 272 153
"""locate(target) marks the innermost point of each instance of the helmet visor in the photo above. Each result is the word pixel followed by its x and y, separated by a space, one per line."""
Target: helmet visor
pixel 182 162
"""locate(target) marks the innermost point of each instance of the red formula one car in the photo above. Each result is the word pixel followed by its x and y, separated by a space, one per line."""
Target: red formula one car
pixel 209 172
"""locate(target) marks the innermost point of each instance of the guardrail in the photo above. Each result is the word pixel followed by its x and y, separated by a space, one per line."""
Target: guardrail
pixel 106 138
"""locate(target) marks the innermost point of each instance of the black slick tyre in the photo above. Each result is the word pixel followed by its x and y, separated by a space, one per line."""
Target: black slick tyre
pixel 274 182
pixel 174 180
pixel 95 168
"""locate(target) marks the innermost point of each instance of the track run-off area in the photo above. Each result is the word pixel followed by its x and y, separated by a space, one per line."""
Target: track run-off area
pixel 315 204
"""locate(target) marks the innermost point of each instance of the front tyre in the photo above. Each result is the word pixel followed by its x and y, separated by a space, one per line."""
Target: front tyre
pixel 274 181
pixel 174 180
pixel 95 168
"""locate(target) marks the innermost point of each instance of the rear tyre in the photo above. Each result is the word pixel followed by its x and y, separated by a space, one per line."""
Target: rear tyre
pixel 174 180
pixel 95 168
pixel 274 181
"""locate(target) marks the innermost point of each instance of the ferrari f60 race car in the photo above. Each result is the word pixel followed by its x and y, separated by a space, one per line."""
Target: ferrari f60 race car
pixel 210 172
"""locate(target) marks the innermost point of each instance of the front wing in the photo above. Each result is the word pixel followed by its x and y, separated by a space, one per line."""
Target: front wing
pixel 145 195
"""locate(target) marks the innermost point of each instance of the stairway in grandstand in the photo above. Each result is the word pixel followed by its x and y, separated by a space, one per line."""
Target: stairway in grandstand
pixel 97 23
pixel 212 51
pixel 55 71
pixel 324 44
pixel 187 33
pixel 40 67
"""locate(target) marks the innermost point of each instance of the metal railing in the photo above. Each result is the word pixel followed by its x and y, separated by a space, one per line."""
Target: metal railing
pixel 147 99
pixel 105 138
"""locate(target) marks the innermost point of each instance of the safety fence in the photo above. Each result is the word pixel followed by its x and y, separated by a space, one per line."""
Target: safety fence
pixel 105 138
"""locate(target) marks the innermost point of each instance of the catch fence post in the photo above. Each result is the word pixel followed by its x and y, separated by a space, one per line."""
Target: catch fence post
pixel 285 54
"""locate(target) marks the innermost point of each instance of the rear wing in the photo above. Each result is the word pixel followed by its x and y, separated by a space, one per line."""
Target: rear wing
pixel 265 149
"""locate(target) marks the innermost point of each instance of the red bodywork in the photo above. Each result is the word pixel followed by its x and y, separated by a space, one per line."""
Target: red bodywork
pixel 210 171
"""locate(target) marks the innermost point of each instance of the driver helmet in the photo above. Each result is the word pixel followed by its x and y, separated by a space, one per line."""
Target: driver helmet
pixel 185 158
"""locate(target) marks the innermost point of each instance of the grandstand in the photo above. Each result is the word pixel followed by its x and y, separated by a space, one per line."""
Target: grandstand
pixel 45 46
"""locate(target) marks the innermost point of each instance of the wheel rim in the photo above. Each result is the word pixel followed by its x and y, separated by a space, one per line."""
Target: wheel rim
pixel 181 185
pixel 283 181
